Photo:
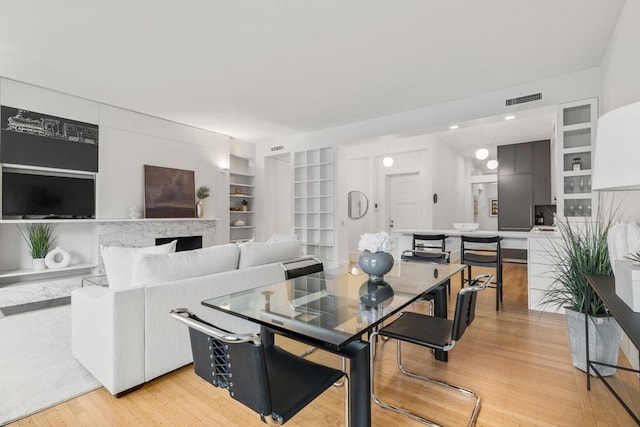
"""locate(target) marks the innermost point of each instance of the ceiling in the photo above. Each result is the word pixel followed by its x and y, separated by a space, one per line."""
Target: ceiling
pixel 490 132
pixel 258 70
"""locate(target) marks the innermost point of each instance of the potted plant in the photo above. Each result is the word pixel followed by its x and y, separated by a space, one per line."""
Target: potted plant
pixel 581 250
pixel 202 193
pixel 39 239
pixel 245 205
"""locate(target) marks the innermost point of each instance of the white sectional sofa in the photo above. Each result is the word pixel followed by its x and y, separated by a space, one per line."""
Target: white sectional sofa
pixel 124 334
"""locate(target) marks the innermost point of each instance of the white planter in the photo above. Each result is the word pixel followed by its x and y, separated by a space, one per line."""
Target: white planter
pixel 628 283
pixel 38 264
pixel 604 341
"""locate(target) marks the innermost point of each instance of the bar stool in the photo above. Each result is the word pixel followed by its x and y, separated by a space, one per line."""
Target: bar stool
pixel 482 252
pixel 429 248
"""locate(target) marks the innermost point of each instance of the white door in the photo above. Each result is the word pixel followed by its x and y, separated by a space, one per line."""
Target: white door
pixel 403 202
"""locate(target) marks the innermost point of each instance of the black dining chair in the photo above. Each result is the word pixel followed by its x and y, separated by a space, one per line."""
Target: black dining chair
pixel 269 380
pixel 429 248
pixel 482 252
pixel 435 333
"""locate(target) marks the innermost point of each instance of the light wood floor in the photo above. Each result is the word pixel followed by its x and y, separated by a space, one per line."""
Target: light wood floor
pixel 517 361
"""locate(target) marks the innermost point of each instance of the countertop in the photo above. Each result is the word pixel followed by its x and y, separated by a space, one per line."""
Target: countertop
pixel 505 234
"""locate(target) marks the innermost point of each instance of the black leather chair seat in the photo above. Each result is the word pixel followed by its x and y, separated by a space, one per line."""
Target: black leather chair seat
pixel 289 379
pixel 471 257
pixel 411 327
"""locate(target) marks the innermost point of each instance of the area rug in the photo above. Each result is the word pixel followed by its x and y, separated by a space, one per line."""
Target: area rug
pixel 37 369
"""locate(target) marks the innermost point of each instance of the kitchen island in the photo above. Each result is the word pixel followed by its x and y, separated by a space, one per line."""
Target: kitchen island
pixel 537 244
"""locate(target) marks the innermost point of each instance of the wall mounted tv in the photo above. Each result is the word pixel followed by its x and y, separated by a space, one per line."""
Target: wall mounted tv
pixel 28 195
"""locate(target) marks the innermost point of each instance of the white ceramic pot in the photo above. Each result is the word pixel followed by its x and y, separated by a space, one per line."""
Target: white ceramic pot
pixel 38 264
pixel 57 258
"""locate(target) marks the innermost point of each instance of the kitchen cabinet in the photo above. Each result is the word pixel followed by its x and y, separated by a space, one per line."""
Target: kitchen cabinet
pixel 542 173
pixel 576 137
pixel 515 195
pixel 524 180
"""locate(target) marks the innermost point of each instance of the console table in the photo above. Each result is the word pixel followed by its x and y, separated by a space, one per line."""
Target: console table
pixel 628 320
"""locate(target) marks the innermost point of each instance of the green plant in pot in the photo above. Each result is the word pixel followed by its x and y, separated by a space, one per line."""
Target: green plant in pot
pixel 201 193
pixel 39 239
pixel 582 250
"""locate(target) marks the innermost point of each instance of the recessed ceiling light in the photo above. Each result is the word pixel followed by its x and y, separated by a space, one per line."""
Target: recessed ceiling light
pixel 387 162
pixel 511 117
pixel 492 164
pixel 452 127
pixel 482 153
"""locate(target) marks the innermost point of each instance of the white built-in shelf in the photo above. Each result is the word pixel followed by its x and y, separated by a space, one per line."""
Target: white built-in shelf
pixel 237 184
pixel 242 174
pixel 581 172
pixel 314 164
pixel 241 196
pixel 576 150
pixel 77 221
pixel 30 272
pixel 241 226
pixel 241 212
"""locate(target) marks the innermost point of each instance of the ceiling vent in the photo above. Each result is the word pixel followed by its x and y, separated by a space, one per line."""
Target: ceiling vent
pixel 523 99
pixel 277 148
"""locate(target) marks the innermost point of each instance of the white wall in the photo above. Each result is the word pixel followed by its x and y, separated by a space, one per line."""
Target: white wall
pixel 485 192
pixel 450 183
pixel 129 140
pixel 407 132
pixel 621 86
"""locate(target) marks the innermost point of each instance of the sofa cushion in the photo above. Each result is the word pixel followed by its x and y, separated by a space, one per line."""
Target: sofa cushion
pixel 155 269
pixel 118 261
pixel 264 253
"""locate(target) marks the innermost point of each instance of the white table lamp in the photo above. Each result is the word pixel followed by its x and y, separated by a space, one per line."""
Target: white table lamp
pixel 617 153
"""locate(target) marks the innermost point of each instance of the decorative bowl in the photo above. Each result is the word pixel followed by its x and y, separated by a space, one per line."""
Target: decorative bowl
pixel 466 226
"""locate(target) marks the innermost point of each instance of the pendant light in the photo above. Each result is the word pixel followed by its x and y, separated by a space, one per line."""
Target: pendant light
pixel 387 161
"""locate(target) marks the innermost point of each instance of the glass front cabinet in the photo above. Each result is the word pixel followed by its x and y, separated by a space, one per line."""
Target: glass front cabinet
pixel 576 132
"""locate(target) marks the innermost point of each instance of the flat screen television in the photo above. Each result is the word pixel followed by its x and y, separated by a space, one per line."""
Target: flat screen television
pixel 32 196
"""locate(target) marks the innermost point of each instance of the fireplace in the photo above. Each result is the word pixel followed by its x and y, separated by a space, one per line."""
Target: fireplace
pixel 185 243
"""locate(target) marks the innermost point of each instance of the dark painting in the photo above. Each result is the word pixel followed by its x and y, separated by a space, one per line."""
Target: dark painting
pixel 38 139
pixel 169 193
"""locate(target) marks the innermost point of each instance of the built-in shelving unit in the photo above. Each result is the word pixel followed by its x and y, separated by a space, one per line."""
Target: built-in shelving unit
pixel 6 274
pixel 576 138
pixel 241 188
pixel 314 201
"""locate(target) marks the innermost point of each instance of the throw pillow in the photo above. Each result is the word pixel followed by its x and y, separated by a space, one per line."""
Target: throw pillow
pixel 265 253
pixel 154 269
pixel 118 261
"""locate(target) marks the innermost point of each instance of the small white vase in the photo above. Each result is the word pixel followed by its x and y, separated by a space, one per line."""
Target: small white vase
pixel 200 209
pixel 57 258
pixel 38 264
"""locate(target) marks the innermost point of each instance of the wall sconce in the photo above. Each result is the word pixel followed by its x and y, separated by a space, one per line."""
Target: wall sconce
pixel 617 151
pixel 224 170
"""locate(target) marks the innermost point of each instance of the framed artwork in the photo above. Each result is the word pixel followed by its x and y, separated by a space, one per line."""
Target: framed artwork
pixel 493 207
pixel 169 193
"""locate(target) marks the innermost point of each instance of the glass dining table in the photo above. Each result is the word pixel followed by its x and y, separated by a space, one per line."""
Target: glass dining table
pixel 334 311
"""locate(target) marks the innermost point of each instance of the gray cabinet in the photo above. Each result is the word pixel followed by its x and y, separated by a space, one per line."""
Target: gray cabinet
pixel 507 159
pixel 524 180
pixel 515 195
pixel 542 173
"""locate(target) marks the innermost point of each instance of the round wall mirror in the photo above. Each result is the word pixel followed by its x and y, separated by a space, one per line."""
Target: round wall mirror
pixel 358 204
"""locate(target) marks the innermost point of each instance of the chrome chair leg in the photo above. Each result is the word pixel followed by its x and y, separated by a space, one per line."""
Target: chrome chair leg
pixel 387 405
pixel 466 392
pixel 341 381
pixel 308 351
